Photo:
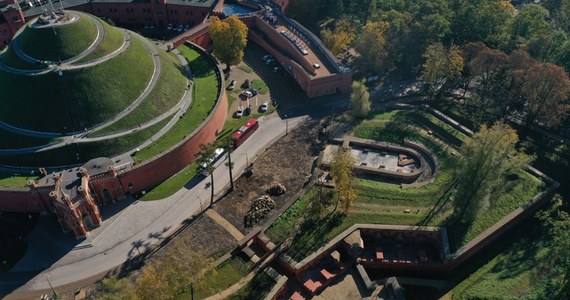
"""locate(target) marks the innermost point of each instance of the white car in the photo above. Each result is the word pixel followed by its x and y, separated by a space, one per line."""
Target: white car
pixel 169 27
pixel 232 85
pixel 248 94
pixel 316 65
pixel 264 106
pixel 267 57
pixel 239 112
pixel 275 70
pixel 180 28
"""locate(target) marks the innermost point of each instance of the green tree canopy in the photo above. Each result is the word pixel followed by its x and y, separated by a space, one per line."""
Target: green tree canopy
pixel 487 158
pixel 230 38
pixel 360 99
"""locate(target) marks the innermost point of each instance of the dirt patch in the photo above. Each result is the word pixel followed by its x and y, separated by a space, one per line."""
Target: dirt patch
pixel 289 161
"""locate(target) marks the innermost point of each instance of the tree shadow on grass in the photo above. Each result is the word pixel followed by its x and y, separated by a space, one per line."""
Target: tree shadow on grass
pixel 313 234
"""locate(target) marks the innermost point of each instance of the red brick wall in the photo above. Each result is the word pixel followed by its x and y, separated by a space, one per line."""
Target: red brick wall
pixel 20 201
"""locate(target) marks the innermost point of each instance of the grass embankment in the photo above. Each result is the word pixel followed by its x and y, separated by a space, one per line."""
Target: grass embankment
pixel 59 42
pixel 205 92
pixel 385 203
pixel 172 184
pixel 256 289
pixel 167 92
pixel 12 140
pixel 113 39
pixel 87 97
pixel 67 155
pixel 10 59
pixel 15 180
pixel 260 86
pixel 225 275
pixel 521 271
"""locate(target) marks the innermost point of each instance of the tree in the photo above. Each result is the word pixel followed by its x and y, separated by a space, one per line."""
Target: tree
pixel 205 161
pixel 371 47
pixel 441 65
pixel 486 159
pixel 360 99
pixel 557 221
pixel 230 38
pixel 343 175
pixel 174 269
pixel 546 88
pixel 114 288
pixel 227 143
pixel 339 38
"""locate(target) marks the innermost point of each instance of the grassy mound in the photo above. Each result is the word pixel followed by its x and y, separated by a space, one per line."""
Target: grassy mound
pixel 166 94
pixel 10 59
pixel 113 38
pixel 204 98
pixel 59 42
pixel 78 99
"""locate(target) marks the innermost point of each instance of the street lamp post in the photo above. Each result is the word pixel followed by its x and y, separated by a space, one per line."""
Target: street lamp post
pixel 286 124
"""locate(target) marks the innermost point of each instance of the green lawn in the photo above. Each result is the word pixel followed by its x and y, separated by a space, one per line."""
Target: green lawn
pixel 520 272
pixel 15 180
pixel 245 68
pixel 224 276
pixel 205 92
pixel 112 40
pixel 59 42
pixel 91 96
pixel 172 184
pixel 260 86
pixel 165 95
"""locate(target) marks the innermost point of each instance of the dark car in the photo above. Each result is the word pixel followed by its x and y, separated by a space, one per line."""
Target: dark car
pixel 247 111
pixel 246 84
pixel 253 92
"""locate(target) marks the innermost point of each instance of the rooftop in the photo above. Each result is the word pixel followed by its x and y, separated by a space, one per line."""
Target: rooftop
pixel 197 3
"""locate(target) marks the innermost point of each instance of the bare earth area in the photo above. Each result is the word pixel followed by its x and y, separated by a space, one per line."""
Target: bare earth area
pixel 289 161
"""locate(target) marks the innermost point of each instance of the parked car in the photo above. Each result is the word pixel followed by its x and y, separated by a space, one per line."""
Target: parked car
pixel 248 94
pixel 232 85
pixel 169 27
pixel 239 112
pixel 270 61
pixel 247 111
pixel 253 92
pixel 316 65
pixel 246 84
pixel 180 28
pixel 275 69
pixel 264 106
pixel 186 27
pixel 267 57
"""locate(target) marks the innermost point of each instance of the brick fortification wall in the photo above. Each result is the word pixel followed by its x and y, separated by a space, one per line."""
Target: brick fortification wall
pixel 164 166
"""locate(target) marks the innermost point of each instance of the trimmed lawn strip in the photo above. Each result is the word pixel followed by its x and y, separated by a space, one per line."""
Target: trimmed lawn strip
pixel 68 40
pixel 245 68
pixel 172 184
pixel 112 40
pixel 166 94
pixel 92 95
pixel 260 86
pixel 67 155
pixel 15 180
pixel 204 98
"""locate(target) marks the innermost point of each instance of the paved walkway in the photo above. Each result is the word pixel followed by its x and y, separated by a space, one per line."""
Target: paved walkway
pixel 224 223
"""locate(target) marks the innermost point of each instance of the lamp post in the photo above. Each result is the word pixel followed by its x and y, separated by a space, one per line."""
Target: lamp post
pixel 286 124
